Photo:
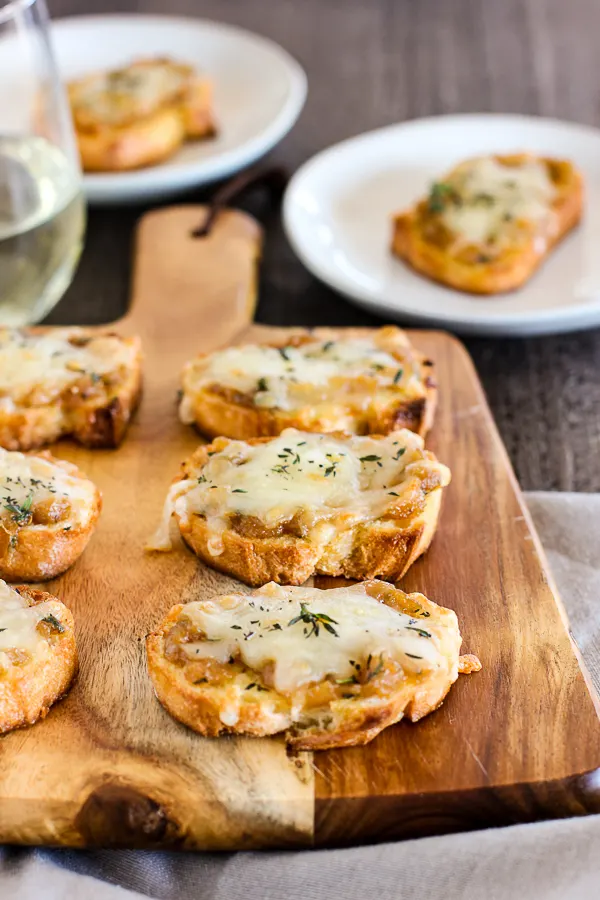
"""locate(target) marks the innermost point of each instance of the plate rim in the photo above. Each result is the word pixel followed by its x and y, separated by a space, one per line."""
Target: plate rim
pixel 529 323
pixel 155 181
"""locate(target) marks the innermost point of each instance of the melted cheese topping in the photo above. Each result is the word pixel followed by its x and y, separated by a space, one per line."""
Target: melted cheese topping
pixel 46 364
pixel 18 622
pixel 138 90
pixel 306 634
pixel 344 371
pixel 28 480
pixel 490 197
pixel 311 478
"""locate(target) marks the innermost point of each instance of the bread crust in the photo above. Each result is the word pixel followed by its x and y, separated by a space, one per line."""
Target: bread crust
pixel 30 551
pixel 516 264
pixel 217 410
pixel 29 689
pixel 142 133
pixel 343 720
pixel 94 414
pixel 382 548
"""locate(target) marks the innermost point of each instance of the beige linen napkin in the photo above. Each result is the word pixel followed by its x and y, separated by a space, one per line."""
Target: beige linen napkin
pixel 550 861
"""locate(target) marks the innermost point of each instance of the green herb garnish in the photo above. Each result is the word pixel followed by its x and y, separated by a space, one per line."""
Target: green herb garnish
pixel 315 620
pixel 420 631
pixel 439 195
pixel 54 623
pixel 373 673
pixel 22 512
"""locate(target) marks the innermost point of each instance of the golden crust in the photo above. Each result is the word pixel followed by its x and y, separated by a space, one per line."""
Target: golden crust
pixel 317 717
pixel 417 241
pixel 94 414
pixel 38 552
pixel 132 132
pixel 28 689
pixel 219 411
pixel 383 548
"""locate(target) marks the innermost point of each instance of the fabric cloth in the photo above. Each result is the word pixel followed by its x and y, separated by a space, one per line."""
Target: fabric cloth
pixel 547 861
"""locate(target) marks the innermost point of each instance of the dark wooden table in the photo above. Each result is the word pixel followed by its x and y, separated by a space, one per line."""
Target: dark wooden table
pixel 370 63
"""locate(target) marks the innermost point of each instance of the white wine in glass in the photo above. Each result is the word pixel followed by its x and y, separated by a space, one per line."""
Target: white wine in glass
pixel 42 211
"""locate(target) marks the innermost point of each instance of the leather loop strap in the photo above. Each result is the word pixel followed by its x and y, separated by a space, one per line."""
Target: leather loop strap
pixel 273 179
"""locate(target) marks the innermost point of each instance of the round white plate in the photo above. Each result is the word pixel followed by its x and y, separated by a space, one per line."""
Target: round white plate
pixel 338 209
pixel 259 91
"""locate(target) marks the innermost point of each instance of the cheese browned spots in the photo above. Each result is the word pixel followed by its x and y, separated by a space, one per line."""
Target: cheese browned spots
pixel 115 98
pixel 35 369
pixel 486 202
pixel 354 372
pixel 319 481
pixel 301 635
pixel 19 624
pixel 29 481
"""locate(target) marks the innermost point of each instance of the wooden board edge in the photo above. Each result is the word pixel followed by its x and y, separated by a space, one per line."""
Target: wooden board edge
pixel 372 820
pixel 539 547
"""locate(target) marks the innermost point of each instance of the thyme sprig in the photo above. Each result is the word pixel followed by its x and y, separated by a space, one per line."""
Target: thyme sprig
pixel 315 620
pixel 21 513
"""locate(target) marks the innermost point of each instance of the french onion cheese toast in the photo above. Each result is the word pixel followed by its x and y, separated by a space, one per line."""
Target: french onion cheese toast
pixel 139 115
pixel 38 657
pixel 48 511
pixel 56 382
pixel 488 225
pixel 330 668
pixel 282 509
pixel 325 380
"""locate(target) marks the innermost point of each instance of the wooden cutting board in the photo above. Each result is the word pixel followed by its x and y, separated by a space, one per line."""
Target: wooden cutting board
pixel 517 742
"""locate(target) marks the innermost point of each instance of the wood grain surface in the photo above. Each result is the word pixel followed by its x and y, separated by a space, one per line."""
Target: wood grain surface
pixel 371 63
pixel 517 742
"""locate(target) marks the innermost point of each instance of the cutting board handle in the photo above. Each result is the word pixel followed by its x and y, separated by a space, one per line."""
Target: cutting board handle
pixel 183 283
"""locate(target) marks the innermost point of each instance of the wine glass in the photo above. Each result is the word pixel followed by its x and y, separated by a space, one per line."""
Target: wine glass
pixel 42 211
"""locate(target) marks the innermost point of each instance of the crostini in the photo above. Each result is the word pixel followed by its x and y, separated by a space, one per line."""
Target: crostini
pixel 140 114
pixel 38 656
pixel 57 382
pixel 48 512
pixel 330 668
pixel 486 226
pixel 282 509
pixel 357 381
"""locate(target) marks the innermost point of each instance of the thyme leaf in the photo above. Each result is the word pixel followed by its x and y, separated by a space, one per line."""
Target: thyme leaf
pixel 420 631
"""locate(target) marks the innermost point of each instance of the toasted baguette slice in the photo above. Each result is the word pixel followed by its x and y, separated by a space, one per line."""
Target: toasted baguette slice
pixel 48 512
pixel 56 382
pixel 139 115
pixel 331 668
pixel 285 508
pixel 353 380
pixel 38 657
pixel 488 225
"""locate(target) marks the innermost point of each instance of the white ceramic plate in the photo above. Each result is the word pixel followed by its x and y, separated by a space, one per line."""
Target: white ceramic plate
pixel 259 91
pixel 338 207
